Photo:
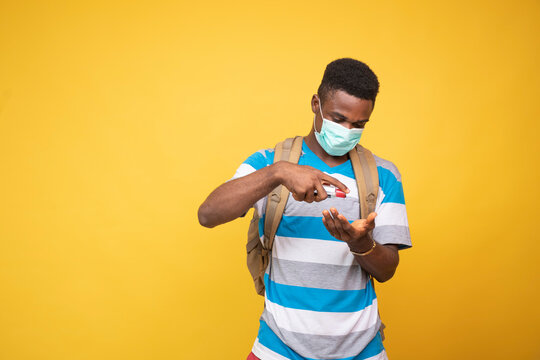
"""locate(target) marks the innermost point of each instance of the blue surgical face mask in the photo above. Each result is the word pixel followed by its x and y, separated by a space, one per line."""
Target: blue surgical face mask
pixel 336 139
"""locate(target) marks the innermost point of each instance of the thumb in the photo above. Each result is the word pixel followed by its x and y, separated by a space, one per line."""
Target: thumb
pixel 371 218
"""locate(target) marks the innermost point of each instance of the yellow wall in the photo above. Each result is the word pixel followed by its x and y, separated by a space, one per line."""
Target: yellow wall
pixel 118 118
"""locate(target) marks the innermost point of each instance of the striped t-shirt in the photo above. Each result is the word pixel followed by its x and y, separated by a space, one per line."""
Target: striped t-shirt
pixel 319 303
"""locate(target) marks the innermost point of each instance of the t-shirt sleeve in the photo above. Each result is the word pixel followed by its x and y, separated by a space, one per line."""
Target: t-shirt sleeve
pixel 391 223
pixel 254 162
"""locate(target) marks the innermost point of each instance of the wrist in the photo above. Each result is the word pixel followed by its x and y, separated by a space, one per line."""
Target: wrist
pixel 364 245
pixel 278 172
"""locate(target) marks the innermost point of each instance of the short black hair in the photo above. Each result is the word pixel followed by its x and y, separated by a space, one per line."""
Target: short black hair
pixel 350 75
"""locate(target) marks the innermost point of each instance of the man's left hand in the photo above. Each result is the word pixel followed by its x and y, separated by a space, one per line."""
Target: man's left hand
pixel 355 234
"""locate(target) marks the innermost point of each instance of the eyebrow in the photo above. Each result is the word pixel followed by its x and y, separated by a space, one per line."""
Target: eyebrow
pixel 343 117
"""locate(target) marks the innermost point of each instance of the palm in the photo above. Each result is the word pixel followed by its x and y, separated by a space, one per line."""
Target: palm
pixel 360 225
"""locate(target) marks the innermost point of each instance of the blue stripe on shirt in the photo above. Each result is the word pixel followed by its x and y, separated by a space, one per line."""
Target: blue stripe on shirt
pixel 305 227
pixel 391 187
pixel 261 225
pixel 315 299
pixel 256 160
pixel 268 339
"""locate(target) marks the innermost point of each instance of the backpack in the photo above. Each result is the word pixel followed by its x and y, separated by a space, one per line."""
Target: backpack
pixel 258 256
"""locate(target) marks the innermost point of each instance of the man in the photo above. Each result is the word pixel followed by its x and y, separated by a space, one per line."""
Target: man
pixel 319 302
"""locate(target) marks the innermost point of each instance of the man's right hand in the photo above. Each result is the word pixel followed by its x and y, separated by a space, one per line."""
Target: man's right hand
pixel 234 198
pixel 303 180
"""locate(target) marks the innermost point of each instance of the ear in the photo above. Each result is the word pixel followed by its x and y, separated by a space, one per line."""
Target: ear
pixel 315 103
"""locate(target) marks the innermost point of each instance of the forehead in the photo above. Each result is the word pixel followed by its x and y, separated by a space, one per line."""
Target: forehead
pixel 348 105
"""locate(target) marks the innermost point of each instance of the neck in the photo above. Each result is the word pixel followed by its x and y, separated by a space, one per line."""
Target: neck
pixel 313 144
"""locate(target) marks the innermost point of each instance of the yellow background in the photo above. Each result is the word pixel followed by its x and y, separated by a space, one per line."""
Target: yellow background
pixel 117 119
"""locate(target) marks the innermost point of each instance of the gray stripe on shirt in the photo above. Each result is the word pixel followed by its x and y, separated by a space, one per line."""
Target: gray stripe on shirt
pixel 393 234
pixel 314 275
pixel 388 165
pixel 349 207
pixel 323 346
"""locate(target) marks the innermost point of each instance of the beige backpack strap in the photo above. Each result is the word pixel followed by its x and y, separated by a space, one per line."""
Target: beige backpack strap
pixel 288 150
pixel 367 180
pixel 281 152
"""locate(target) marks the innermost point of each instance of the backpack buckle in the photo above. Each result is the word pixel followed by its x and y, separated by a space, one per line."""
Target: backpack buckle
pixel 371 198
pixel 275 197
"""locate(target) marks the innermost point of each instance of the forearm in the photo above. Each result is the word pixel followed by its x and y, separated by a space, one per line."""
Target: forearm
pixel 381 263
pixel 234 198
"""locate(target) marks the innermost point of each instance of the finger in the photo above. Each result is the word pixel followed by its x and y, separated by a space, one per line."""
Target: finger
pixel 310 196
pixel 335 182
pixel 321 193
pixel 298 196
pixel 345 224
pixel 329 223
pixel 371 219
pixel 349 230
pixel 327 215
pixel 327 226
pixel 337 223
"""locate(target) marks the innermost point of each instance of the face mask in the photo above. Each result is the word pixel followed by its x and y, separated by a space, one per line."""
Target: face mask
pixel 335 139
